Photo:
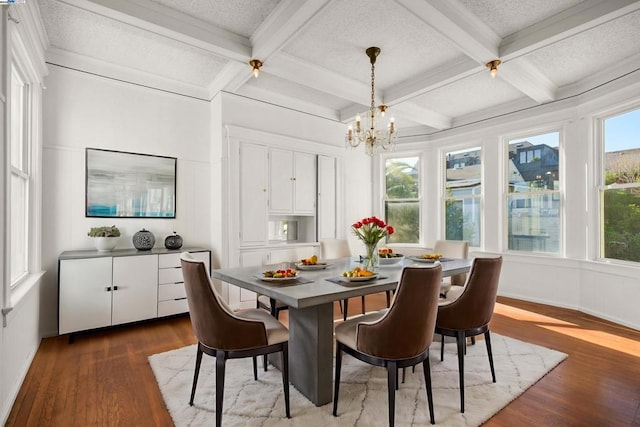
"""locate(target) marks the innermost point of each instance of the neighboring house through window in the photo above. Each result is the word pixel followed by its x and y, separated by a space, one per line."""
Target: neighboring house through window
pixel 533 194
pixel 463 195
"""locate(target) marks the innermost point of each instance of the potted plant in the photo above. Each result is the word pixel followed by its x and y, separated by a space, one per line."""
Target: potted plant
pixel 105 237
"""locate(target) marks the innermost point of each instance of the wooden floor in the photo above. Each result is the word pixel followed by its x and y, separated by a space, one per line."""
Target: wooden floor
pixel 104 379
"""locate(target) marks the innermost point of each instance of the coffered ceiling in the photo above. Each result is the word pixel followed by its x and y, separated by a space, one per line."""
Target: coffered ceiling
pixel 431 69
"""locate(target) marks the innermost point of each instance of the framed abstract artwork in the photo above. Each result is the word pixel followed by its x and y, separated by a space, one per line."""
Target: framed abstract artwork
pixel 129 185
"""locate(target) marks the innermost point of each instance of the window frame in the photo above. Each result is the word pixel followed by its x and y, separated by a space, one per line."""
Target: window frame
pixel 558 194
pixel 420 200
pixel 600 187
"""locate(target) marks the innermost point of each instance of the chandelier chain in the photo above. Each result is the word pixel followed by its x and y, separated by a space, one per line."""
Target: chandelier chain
pixel 373 92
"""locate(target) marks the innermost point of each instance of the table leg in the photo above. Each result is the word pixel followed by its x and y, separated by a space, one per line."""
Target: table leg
pixel 311 352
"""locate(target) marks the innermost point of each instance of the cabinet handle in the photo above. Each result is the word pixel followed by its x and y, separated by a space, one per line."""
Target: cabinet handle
pixel 108 289
pixel 115 288
pixel 180 299
pixel 178 283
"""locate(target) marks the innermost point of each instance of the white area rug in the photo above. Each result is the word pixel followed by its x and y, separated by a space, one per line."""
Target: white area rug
pixel 363 389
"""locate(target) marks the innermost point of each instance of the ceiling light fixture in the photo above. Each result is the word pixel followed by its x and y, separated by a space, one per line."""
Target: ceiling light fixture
pixel 493 67
pixel 372 137
pixel 255 64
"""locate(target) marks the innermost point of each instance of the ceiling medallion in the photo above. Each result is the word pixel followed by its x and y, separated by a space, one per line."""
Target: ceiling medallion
pixel 373 137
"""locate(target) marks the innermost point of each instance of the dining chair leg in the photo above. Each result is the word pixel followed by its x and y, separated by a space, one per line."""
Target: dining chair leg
pixel 220 365
pixel 392 382
pixel 426 367
pixel 460 339
pixel 340 304
pixel 196 373
pixel 388 294
pixel 336 382
pixel 285 377
pixel 363 309
pixel 255 368
pixel 487 339
pixel 346 309
pixel 442 349
pixel 264 362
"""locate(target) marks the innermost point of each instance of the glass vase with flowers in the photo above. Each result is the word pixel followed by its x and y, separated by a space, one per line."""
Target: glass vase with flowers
pixel 370 231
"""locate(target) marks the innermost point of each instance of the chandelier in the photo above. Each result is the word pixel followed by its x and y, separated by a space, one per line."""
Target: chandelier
pixel 373 137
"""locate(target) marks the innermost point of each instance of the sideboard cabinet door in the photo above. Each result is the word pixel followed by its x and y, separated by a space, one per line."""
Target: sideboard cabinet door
pixel 85 294
pixel 135 288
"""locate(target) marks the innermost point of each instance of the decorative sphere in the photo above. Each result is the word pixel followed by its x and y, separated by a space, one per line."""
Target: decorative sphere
pixel 173 241
pixel 144 240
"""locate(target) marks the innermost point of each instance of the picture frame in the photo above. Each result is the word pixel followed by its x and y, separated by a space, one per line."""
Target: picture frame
pixel 129 185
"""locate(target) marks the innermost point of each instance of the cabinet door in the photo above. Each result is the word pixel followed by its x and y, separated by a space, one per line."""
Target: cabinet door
pixel 326 197
pixel 85 294
pixel 304 183
pixel 253 195
pixel 135 288
pixel 247 298
pixel 280 181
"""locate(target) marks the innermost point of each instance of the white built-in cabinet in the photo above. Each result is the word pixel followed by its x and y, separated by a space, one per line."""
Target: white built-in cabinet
pixel 292 182
pixel 98 289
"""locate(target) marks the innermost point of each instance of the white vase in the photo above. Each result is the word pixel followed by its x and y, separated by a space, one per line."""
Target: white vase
pixel 105 244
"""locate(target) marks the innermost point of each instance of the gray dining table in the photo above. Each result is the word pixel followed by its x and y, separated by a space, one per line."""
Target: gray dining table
pixel 310 298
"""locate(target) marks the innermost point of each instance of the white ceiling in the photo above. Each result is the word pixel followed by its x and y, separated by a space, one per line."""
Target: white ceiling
pixel 431 70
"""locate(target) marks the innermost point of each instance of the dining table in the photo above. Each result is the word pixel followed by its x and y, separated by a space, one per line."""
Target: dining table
pixel 310 297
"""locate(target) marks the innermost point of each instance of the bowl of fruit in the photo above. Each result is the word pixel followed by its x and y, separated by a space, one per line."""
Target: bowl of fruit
pixel 311 264
pixel 358 274
pixel 279 275
pixel 428 258
pixel 386 256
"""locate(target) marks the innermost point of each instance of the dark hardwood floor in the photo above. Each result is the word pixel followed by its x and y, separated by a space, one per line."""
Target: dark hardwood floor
pixel 104 379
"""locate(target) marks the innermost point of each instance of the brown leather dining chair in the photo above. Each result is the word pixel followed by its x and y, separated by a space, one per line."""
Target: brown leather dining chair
pixel 469 315
pixel 223 334
pixel 399 337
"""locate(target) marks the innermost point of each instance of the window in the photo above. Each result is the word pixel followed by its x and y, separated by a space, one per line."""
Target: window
pixel 402 198
pixel 463 195
pixel 19 149
pixel 620 188
pixel 533 194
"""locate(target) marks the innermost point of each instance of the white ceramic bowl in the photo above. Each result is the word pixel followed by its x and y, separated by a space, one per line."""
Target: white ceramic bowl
pixel 391 261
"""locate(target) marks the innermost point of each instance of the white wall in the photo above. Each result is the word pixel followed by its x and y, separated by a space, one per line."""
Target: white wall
pixel 83 110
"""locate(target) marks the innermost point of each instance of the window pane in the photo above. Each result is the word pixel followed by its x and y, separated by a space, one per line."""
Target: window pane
pixel 402 178
pixel 534 222
pixel 462 220
pixel 621 222
pixel 18 227
pixel 405 219
pixel 16 127
pixel 533 163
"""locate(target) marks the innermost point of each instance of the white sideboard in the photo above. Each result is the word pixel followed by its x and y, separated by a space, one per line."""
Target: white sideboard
pixel 100 289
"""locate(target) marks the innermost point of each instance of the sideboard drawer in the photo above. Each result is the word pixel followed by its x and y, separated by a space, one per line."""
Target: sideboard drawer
pixel 169 260
pixel 170 275
pixel 171 291
pixel 167 308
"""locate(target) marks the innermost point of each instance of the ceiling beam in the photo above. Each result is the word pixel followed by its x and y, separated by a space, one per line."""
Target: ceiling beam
pixel 582 17
pixel 523 76
pixel 422 115
pixel 172 24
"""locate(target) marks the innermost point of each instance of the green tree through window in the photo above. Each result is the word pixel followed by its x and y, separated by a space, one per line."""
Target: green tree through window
pixel 402 199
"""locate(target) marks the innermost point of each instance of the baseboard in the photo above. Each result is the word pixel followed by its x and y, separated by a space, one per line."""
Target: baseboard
pixel 13 392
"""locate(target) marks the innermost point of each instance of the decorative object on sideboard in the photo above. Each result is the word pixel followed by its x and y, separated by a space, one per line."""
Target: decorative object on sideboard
pixel 105 238
pixel 173 241
pixel 144 240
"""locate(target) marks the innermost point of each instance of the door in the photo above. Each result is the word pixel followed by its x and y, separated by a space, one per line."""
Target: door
pixel 304 182
pixel 85 294
pixel 253 195
pixel 326 197
pixel 281 179
pixel 135 288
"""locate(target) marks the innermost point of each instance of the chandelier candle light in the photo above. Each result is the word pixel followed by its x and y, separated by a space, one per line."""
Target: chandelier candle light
pixel 371 231
pixel 372 137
